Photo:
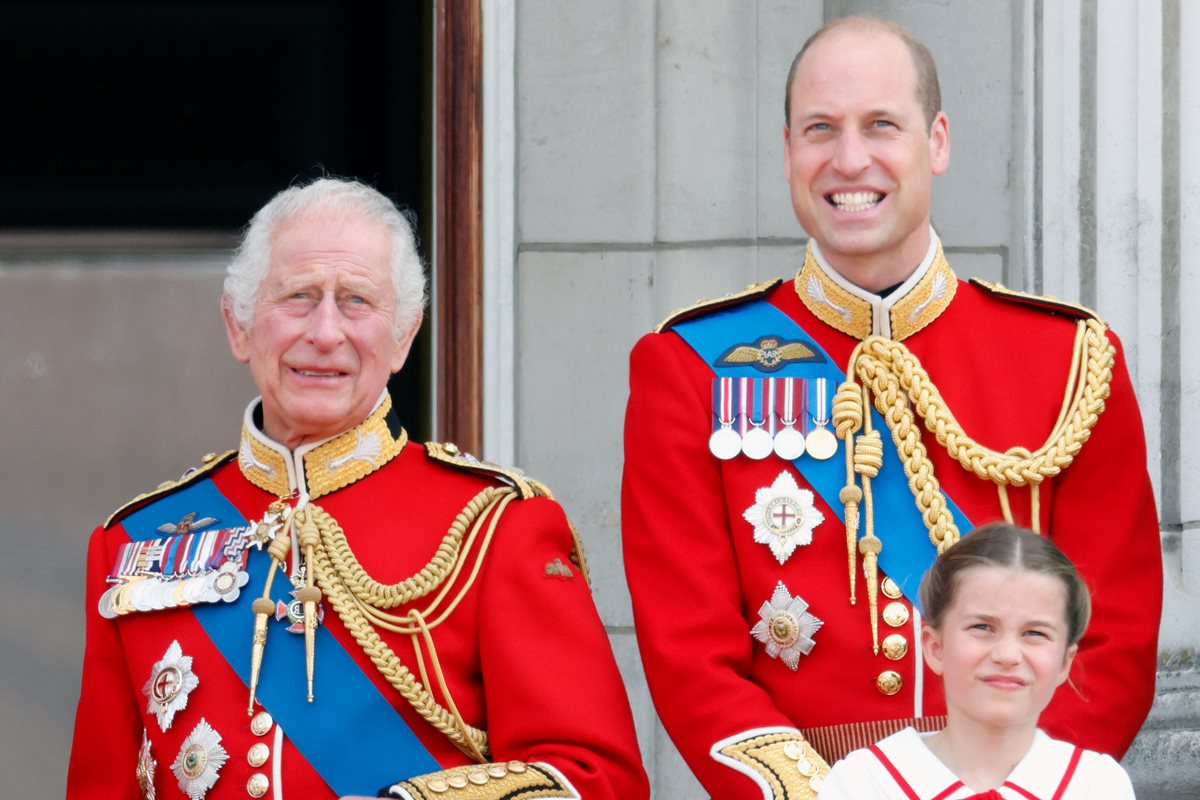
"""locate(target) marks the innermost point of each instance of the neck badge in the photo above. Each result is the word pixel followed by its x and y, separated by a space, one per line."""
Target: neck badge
pixel 784 516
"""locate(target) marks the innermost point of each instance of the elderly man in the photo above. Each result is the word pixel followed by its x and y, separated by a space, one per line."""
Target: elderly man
pixel 781 500
pixel 331 608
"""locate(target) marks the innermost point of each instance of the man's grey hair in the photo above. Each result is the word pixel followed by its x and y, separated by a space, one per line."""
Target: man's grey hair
pixel 337 196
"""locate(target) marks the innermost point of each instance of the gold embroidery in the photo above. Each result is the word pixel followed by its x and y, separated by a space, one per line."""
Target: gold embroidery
pixel 330 466
pixel 786 763
pixel 211 462
pixel 829 302
pixel 514 780
pixel 714 303
pixel 925 301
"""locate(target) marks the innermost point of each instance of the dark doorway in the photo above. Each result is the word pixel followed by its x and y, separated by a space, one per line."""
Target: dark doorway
pixel 187 116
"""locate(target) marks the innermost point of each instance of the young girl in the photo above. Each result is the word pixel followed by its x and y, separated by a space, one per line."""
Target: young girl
pixel 1005 610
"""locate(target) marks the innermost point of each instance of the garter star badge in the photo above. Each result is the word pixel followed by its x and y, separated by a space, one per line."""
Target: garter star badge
pixel 786 627
pixel 200 758
pixel 783 516
pixel 171 681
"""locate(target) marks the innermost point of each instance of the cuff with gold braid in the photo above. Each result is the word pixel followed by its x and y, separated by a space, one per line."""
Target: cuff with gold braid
pixel 510 780
pixel 779 760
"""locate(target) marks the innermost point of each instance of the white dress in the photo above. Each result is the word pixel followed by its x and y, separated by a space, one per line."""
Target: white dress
pixel 902 767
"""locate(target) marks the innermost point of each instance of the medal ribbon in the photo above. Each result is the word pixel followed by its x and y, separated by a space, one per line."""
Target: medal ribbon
pixel 351 734
pixel 907 552
pixel 723 402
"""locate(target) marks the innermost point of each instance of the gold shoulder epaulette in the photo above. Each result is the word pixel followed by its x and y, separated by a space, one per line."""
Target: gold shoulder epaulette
pixel 449 453
pixel 207 465
pixel 751 292
pixel 1044 302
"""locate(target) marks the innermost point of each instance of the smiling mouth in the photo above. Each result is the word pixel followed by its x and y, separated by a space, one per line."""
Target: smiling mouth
pixel 854 201
pixel 314 373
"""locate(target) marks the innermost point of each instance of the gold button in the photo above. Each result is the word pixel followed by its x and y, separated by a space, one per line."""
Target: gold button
pixel 438 786
pixel 477 777
pixel 815 782
pixel 257 785
pixel 794 750
pixel 806 767
pixel 496 770
pixel 258 754
pixel 261 724
pixel 895 614
pixel 457 781
pixel 516 767
pixel 890 589
pixel 895 647
pixel 451 448
pixel 889 682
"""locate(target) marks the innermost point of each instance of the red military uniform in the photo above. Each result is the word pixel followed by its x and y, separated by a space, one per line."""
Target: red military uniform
pixel 699 579
pixel 516 639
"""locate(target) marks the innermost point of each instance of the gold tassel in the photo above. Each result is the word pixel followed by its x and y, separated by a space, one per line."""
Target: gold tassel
pixel 309 594
pixel 263 607
pixel 869 546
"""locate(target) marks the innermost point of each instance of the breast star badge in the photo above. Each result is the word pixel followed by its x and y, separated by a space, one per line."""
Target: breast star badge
pixel 783 516
pixel 171 681
pixel 200 759
pixel 786 627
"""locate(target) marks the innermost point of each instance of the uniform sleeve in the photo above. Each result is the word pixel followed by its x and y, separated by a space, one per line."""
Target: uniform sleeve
pixel 683 576
pixel 1103 517
pixel 108 727
pixel 552 690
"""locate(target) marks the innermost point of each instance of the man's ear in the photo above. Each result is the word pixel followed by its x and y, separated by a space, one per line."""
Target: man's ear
pixel 931 646
pixel 404 344
pixel 239 337
pixel 939 143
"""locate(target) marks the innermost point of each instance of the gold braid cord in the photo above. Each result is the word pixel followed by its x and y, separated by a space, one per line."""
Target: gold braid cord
pixel 894 378
pixel 360 602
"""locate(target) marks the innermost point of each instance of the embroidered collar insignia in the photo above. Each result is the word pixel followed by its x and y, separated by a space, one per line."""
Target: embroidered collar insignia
pixel 859 313
pixel 329 465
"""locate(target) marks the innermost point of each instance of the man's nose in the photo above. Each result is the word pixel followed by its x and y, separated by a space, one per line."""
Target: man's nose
pixel 851 154
pixel 325 329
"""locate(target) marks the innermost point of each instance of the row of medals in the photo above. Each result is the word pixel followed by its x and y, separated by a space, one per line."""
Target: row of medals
pixel 743 435
pixel 138 586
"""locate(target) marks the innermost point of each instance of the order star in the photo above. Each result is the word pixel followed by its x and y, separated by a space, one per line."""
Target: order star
pixel 783 516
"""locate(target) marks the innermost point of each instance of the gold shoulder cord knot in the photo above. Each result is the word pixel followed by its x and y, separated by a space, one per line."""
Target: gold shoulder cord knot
pixel 362 602
pixel 886 372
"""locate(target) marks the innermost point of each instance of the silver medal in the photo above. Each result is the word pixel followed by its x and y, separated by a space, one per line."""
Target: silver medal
pixel 757 443
pixel 725 443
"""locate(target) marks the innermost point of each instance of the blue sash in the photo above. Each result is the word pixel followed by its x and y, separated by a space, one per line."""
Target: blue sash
pixel 345 701
pixel 907 552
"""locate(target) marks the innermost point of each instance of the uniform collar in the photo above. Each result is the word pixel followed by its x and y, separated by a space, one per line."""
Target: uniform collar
pixel 856 312
pixel 318 468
